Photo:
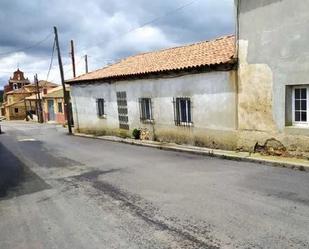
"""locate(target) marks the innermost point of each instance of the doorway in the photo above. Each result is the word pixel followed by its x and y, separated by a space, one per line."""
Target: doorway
pixel 51 110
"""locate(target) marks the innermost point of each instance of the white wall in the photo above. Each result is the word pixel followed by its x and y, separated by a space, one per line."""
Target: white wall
pixel 212 94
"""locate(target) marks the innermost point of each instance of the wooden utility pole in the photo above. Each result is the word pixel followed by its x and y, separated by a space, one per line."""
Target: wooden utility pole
pixel 86 63
pixel 73 58
pixel 36 100
pixel 66 95
pixel 40 111
pixel 25 105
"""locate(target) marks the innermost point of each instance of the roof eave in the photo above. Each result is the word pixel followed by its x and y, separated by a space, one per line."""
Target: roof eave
pixel 232 63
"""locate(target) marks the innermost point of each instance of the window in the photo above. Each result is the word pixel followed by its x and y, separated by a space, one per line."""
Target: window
pixel 16 110
pixel 100 107
pixel 122 110
pixel 300 105
pixel 145 109
pixel 60 109
pixel 182 111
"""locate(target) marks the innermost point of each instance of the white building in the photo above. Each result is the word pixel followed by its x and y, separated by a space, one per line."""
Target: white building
pixel 249 95
pixel 185 95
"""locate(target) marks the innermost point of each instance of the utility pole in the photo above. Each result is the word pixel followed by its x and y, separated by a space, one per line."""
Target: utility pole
pixel 39 108
pixel 36 100
pixel 73 58
pixel 65 93
pixel 86 63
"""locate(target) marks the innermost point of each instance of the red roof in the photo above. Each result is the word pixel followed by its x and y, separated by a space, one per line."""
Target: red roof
pixel 207 53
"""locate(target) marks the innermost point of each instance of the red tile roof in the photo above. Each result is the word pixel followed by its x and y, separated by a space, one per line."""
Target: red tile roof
pixel 207 53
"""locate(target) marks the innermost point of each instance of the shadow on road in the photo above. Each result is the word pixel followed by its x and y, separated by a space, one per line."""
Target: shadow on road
pixel 15 178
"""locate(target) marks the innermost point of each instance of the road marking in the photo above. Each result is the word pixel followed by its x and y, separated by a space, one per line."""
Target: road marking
pixel 26 140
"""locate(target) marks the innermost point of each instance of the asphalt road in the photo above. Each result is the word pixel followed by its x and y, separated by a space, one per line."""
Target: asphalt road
pixel 60 191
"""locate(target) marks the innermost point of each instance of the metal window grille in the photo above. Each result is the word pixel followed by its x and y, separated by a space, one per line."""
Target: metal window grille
pixel 122 110
pixel 182 111
pixel 145 109
pixel 100 107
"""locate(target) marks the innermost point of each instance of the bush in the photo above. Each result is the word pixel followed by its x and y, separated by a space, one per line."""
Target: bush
pixel 136 133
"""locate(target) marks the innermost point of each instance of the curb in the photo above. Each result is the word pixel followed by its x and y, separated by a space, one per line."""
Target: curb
pixel 299 164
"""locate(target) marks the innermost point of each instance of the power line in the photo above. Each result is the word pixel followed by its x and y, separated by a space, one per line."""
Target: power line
pixel 179 8
pixel 27 48
pixel 51 60
pixel 69 64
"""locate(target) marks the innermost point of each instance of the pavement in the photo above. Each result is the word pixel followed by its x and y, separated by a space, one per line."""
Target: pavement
pixel 61 191
pixel 280 161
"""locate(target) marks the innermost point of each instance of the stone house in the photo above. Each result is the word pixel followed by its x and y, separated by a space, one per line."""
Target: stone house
pixel 14 83
pixel 14 107
pixel 185 95
pixel 220 94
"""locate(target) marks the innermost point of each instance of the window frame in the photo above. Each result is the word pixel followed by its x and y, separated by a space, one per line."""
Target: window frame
pixel 178 111
pixel 60 104
pixel 143 110
pixel 300 123
pixel 99 114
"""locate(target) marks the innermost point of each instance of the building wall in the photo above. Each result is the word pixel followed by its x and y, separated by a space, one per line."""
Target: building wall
pixel 58 114
pixel 273 55
pixel 213 107
pixel 11 114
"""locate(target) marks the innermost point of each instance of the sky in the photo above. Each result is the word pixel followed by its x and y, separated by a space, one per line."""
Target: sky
pixel 105 30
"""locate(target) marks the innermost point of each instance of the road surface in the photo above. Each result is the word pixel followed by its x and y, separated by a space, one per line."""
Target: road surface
pixel 60 191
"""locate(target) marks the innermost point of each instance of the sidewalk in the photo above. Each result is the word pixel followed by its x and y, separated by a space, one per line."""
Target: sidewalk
pixel 291 163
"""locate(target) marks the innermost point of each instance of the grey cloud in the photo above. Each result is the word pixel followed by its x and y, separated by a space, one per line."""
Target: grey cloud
pixel 95 27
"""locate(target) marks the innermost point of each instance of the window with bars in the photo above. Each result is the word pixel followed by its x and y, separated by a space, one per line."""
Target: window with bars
pixel 182 111
pixel 300 105
pixel 100 107
pixel 145 109
pixel 122 110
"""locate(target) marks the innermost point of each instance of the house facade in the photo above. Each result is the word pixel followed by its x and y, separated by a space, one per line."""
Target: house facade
pixel 183 95
pixel 53 106
pixel 16 82
pixel 52 102
pixel 259 95
pixel 14 106
pixel 273 55
pixel 170 109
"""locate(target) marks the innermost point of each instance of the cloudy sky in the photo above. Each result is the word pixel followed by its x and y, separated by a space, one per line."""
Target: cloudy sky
pixel 105 30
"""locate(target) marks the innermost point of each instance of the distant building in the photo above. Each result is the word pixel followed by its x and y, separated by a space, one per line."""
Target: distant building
pixel 1 96
pixel 52 105
pixel 16 82
pixel 13 107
